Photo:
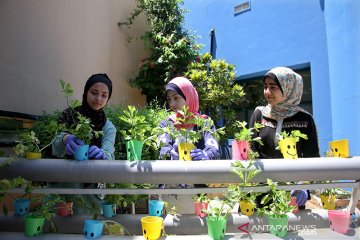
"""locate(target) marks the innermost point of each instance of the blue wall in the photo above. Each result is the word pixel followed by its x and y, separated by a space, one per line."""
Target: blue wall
pixel 283 33
pixel 343 34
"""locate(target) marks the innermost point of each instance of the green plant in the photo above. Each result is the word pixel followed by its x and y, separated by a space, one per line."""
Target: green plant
pixel 246 134
pixel 279 206
pixel 29 142
pixel 296 134
pixel 201 198
pixel 220 209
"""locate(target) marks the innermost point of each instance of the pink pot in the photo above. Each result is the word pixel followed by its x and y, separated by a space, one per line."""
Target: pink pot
pixel 199 206
pixel 339 220
pixel 240 150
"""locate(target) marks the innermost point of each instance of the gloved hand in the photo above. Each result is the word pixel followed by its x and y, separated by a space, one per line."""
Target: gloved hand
pixel 174 152
pixel 96 153
pixel 72 143
pixel 198 154
pixel 301 196
pixel 183 185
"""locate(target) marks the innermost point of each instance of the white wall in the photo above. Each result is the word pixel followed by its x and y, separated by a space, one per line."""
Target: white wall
pixel 42 41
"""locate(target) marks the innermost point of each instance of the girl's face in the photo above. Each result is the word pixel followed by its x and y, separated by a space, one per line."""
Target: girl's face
pixel 272 92
pixel 175 101
pixel 97 96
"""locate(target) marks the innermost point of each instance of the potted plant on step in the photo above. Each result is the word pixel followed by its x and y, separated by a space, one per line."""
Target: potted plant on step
pixel 241 145
pixel 276 207
pixel 287 143
pixel 201 203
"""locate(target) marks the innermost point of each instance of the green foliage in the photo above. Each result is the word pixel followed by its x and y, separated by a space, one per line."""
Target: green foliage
pixel 29 142
pixel 280 202
pixel 220 209
pixel 171 47
pixel 246 134
pixel 201 198
pixel 296 134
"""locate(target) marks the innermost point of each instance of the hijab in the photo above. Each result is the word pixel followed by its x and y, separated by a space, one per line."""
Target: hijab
pixel 291 85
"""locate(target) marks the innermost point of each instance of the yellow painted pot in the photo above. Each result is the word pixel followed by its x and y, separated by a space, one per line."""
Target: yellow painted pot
pixel 184 151
pixel 328 202
pixel 340 148
pixel 152 227
pixel 247 208
pixel 33 155
pixel 288 148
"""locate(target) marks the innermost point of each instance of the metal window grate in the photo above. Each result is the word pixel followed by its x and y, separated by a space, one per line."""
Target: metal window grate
pixel 242 7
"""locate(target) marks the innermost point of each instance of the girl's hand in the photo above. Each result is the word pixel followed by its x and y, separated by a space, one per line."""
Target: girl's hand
pixel 198 154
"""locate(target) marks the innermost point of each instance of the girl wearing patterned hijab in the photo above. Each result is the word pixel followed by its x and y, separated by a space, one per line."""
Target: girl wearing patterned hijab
pixel 97 92
pixel 283 90
pixel 180 92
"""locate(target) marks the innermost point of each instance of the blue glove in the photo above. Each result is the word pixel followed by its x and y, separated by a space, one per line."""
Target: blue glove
pixel 72 143
pixel 96 153
pixel 198 154
pixel 174 152
pixel 301 196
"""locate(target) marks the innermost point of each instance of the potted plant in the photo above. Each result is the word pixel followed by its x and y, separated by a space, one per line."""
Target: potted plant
pixel 241 144
pixel 201 202
pixel 246 199
pixel 111 201
pixel 287 143
pixel 136 132
pixel 276 207
pixel 328 197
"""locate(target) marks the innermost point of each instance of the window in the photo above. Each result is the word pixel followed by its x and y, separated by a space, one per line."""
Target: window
pixel 241 8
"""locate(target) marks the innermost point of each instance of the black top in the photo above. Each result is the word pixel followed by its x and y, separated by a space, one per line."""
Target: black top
pixel 300 121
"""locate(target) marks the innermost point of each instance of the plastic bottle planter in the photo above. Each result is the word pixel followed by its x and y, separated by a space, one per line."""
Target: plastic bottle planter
pixel 216 227
pixel 109 210
pixel 134 150
pixel 65 209
pixel 339 221
pixel 152 227
pixel 199 207
pixel 21 206
pixel 240 150
pixel 33 155
pixel 328 202
pixel 81 153
pixel 156 207
pixel 247 208
pixel 34 225
pixel 93 229
pixel 340 148
pixel 288 148
pixel 184 151
pixel 278 226
pixel 293 203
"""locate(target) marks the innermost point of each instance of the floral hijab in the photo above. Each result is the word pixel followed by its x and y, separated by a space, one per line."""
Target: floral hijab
pixel 292 86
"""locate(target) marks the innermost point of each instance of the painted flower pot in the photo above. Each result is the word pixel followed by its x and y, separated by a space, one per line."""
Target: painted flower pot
pixel 34 225
pixel 339 221
pixel 184 151
pixel 93 229
pixel 65 209
pixel 288 148
pixel 240 150
pixel 152 227
pixel 134 150
pixel 328 202
pixel 246 208
pixel 293 203
pixel 33 155
pixel 81 153
pixel 156 207
pixel 216 227
pixel 278 226
pixel 22 206
pixel 199 207
pixel 109 210
pixel 340 148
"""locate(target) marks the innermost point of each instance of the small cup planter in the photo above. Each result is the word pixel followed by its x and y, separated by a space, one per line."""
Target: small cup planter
pixel 109 210
pixel 246 208
pixel 156 207
pixel 81 153
pixel 328 202
pixel 293 203
pixel 93 229
pixel 199 207
pixel 134 150
pixel 216 227
pixel 22 206
pixel 339 221
pixel 152 227
pixel 240 150
pixel 288 148
pixel 340 148
pixel 34 225
pixel 65 209
pixel 33 155
pixel 184 151
pixel 278 226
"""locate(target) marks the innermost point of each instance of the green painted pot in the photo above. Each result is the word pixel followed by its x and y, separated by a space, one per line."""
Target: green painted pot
pixel 216 227
pixel 34 225
pixel 134 150
pixel 278 226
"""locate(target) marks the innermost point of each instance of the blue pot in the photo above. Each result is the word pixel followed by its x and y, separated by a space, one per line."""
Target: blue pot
pixel 93 229
pixel 81 153
pixel 156 208
pixel 22 206
pixel 109 210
